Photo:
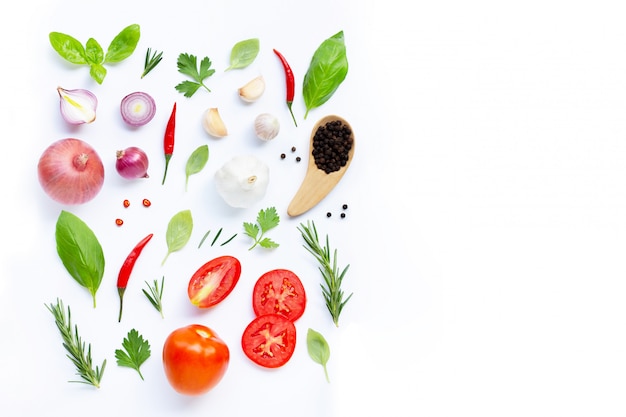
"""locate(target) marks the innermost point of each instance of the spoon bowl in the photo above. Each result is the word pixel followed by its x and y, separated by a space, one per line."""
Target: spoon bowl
pixel 317 183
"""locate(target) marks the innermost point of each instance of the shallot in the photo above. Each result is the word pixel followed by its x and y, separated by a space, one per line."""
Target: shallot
pixel 78 106
pixel 132 163
pixel 137 108
pixel 70 171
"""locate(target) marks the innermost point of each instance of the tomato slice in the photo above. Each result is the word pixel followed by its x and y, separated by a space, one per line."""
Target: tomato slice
pixel 213 281
pixel 279 291
pixel 269 340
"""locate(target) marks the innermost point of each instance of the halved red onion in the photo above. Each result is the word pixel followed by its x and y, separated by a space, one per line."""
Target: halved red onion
pixel 132 163
pixel 78 106
pixel 137 108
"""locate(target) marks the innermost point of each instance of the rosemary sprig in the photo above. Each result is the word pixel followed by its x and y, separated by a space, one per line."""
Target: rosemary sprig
pixel 331 288
pixel 75 346
pixel 155 296
pixel 152 60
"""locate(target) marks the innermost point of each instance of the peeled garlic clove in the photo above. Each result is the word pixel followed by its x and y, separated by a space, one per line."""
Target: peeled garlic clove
pixel 213 123
pixel 253 89
pixel 78 106
pixel 266 126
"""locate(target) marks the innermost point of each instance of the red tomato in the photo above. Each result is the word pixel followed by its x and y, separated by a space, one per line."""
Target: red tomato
pixel 279 291
pixel 213 281
pixel 195 359
pixel 269 340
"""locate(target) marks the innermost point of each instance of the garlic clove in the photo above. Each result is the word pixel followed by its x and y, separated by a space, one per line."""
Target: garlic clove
pixel 213 123
pixel 266 126
pixel 78 106
pixel 253 89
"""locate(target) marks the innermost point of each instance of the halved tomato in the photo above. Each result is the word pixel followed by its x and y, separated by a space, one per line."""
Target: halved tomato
pixel 213 281
pixel 279 291
pixel 269 340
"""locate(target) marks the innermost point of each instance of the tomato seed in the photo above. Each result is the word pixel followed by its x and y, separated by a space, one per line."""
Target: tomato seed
pixel 119 222
pixel 146 202
pixel 126 203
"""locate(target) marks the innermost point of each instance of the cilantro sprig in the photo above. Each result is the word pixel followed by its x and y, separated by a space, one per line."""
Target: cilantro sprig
pixel 136 351
pixel 188 65
pixel 266 220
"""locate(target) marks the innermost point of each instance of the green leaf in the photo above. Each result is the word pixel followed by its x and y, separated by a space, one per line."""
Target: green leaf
pixel 188 65
pixel 196 162
pixel 243 53
pixel 136 351
pixel 267 219
pixel 318 349
pixel 178 232
pixel 98 72
pixel 251 229
pixel 94 52
pixel 68 48
pixel 326 72
pixel 80 252
pixel 123 45
pixel 268 243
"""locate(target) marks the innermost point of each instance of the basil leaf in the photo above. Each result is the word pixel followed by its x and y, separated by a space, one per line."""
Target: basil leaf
pixel 123 45
pixel 93 52
pixel 243 53
pixel 178 232
pixel 68 48
pixel 80 252
pixel 196 162
pixel 327 70
pixel 318 349
pixel 97 72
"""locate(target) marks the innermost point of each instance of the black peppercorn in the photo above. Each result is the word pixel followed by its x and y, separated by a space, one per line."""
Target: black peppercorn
pixel 298 159
pixel 328 214
pixel 345 207
pixel 331 146
pixel 293 149
pixel 343 215
pixel 282 156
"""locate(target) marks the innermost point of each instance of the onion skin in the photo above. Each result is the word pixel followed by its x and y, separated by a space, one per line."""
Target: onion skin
pixel 70 171
pixel 132 163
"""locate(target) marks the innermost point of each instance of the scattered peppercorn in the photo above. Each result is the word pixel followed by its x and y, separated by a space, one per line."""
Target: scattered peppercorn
pixel 331 145
pixel 119 222
pixel 146 202
pixel 126 203
pixel 345 207
pixel 283 156
pixel 343 215
pixel 293 149
pixel 328 214
pixel 298 159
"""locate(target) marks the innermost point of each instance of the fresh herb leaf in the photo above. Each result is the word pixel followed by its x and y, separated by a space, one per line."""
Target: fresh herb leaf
pixel 266 220
pixel 333 278
pixel 68 47
pixel 204 238
pixel 123 45
pixel 136 351
pixel 219 232
pixel 155 296
pixel 178 232
pixel 152 60
pixel 196 162
pixel 318 349
pixel 243 53
pixel 188 65
pixel 94 52
pixel 80 251
pixel 327 70
pixel 228 240
pixel 75 347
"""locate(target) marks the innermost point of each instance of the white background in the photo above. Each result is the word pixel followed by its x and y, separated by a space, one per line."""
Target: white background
pixel 487 234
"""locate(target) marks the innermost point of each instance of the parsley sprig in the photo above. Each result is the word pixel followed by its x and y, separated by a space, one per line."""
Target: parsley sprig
pixel 136 351
pixel 266 219
pixel 188 65
pixel 331 287
pixel 77 351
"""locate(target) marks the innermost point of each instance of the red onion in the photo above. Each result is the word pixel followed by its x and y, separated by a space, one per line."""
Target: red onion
pixel 70 171
pixel 132 163
pixel 137 108
pixel 78 106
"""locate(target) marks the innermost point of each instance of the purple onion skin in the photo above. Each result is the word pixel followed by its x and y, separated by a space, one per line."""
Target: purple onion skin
pixel 132 163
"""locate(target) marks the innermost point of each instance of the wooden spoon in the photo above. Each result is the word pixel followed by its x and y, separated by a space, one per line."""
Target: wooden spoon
pixel 317 183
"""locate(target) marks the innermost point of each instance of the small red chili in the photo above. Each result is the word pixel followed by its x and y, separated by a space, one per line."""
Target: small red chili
pixel 127 268
pixel 146 202
pixel 168 140
pixel 119 222
pixel 126 203
pixel 290 82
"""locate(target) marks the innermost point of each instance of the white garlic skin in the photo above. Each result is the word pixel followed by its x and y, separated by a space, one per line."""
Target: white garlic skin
pixel 242 181
pixel 266 126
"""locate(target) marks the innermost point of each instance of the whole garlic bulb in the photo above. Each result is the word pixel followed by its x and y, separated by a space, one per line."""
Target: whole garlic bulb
pixel 242 181
pixel 266 126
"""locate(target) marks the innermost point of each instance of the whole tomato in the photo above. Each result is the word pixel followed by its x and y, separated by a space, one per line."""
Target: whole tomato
pixel 195 359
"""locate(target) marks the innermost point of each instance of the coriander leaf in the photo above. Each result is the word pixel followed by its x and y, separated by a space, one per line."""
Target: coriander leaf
pixel 251 229
pixel 196 162
pixel 123 45
pixel 267 219
pixel 93 52
pixel 188 65
pixel 318 349
pixel 268 243
pixel 80 252
pixel 243 53
pixel 68 47
pixel 136 351
pixel 178 232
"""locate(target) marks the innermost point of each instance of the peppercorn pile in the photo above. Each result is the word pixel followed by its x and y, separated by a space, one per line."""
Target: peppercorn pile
pixel 331 145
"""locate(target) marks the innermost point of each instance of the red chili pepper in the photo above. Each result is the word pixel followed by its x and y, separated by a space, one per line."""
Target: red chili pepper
pixel 127 268
pixel 290 81
pixel 168 140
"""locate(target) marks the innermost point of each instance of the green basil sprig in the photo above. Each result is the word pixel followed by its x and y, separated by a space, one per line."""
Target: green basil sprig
pixel 178 232
pixel 196 162
pixel 244 53
pixel 318 349
pixel 327 70
pixel 92 54
pixel 80 251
